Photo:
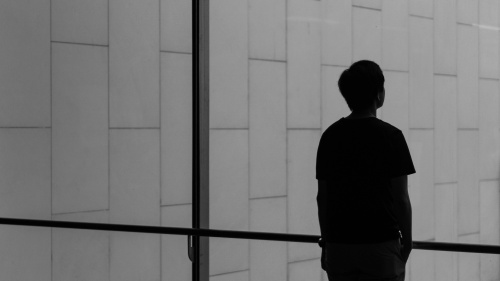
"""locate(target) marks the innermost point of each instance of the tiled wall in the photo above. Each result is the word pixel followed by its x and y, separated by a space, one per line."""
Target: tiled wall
pixel 95 116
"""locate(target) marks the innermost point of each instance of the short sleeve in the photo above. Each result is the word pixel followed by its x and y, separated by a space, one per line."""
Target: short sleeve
pixel 400 162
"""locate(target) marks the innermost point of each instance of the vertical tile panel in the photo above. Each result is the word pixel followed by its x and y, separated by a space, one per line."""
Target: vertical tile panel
pixel 445 37
pixel 80 254
pixel 302 190
pixel 422 265
pixel 421 184
pixel 468 263
pixel 228 198
pixel 25 60
pixel 175 262
pixel 467 11
pixel 80 128
pixel 134 60
pixel 395 35
pixel 304 64
pixel 176 128
pixel 468 181
pixel 395 108
pixel 267 129
pixel 488 13
pixel 489 123
pixel 421 73
pixel 305 270
pixel 423 8
pixel 367 35
pixel 267 29
pixel 445 104
pixel 333 105
pixel 446 230
pixel 80 21
pixel 235 276
pixel 176 25
pixel 229 64
pixel 336 32
pixel 268 259
pixel 490 226
pixel 468 76
pixel 488 52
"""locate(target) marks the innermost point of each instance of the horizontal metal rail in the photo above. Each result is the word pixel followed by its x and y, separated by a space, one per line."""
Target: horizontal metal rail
pixel 284 237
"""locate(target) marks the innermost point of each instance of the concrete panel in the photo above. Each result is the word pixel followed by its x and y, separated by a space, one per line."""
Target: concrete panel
pixel 367 35
pixel 445 37
pixel 80 254
pixel 395 35
pixel 134 63
pixel 490 226
pixel 446 267
pixel 488 13
pixel 235 276
pixel 26 253
pixel 423 8
pixel 422 265
pixel 446 212
pixel 489 122
pixel 333 105
pixel 421 184
pixel 488 52
pixel 374 4
pixel 267 143
pixel 176 128
pixel 135 177
pixel 336 32
pixel 303 64
pixel 467 11
pixel 468 263
pixel 302 190
pixel 175 263
pixel 468 182
pixel 468 76
pixel 80 21
pixel 268 259
pixel 25 179
pixel 305 270
pixel 421 73
pixel 80 128
pixel 395 108
pixel 176 26
pixel 25 49
pixel 229 64
pixel 267 29
pixel 445 122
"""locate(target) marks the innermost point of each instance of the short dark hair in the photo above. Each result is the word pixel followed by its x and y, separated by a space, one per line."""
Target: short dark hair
pixel 360 83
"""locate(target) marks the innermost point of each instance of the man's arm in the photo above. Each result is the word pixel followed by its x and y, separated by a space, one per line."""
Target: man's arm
pixel 402 210
pixel 322 201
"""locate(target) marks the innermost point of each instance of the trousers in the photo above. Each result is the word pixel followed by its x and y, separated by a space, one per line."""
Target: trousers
pixel 363 262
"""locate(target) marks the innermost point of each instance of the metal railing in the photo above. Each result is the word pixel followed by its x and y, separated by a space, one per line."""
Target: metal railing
pixel 284 237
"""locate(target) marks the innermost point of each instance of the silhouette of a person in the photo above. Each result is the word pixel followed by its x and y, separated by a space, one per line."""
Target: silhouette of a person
pixel 363 204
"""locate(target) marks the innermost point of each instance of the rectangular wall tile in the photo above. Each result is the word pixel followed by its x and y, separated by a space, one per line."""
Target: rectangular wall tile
pixel 176 26
pixel 268 259
pixel 445 37
pixel 228 198
pixel 374 4
pixel 80 21
pixel 423 8
pixel 80 128
pixel 302 191
pixel 367 35
pixel 468 263
pixel 336 32
pixel 234 276
pixel 490 227
pixel 135 176
pixel 82 254
pixel 421 184
pixel 134 63
pixel 395 108
pixel 468 76
pixel 25 56
pixel 489 123
pixel 267 29
pixel 467 11
pixel 422 265
pixel 25 169
pixel 468 181
pixel 421 73
pixel 395 35
pixel 267 143
pixel 303 64
pixel 175 262
pixel 445 203
pixel 488 52
pixel 176 128
pixel 229 64
pixel 305 270
pixel 445 122
pixel 488 13
pixel 333 105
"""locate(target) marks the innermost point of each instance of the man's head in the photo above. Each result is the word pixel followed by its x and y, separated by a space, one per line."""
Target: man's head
pixel 362 84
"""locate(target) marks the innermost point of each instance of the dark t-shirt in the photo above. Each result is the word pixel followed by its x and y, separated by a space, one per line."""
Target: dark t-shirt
pixel 357 158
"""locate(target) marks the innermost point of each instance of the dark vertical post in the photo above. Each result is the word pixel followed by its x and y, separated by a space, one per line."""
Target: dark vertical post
pixel 200 58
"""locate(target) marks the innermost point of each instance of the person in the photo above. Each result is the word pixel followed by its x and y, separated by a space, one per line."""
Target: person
pixel 362 167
